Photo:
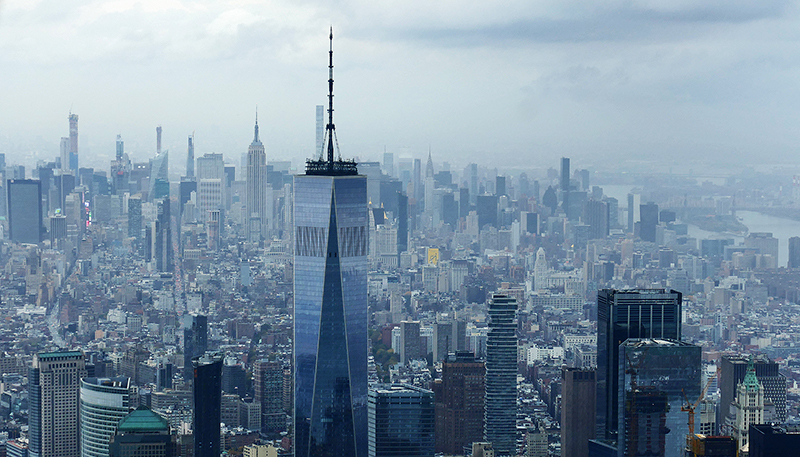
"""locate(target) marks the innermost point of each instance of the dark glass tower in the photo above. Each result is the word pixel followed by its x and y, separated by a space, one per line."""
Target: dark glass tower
pixel 623 314
pixel 195 341
pixel 207 390
pixel 330 313
pixel 25 210
pixel 401 421
pixel 500 423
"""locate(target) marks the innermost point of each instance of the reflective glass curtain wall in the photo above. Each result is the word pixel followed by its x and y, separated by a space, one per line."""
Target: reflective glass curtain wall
pixel 330 264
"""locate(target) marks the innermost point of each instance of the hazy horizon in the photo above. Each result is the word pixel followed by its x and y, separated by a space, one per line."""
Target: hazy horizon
pixel 518 86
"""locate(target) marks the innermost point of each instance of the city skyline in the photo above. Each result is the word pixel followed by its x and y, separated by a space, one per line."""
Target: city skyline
pixel 543 80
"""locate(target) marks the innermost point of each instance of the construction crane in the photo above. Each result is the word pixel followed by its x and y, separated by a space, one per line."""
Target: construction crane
pixel 689 407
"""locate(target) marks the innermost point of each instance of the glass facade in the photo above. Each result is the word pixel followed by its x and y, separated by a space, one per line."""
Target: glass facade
pixel 501 376
pixel 207 392
pixel 651 371
pixel 330 315
pixel 104 402
pixel 25 210
pixel 401 421
pixel 623 314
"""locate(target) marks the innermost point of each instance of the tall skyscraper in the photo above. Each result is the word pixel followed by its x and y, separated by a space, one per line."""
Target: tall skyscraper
pixel 163 242
pixel 320 130
pixel 459 403
pixel 748 407
pixel 120 148
pixel 501 376
pixel 330 287
pixel 563 184
pixel 794 252
pixel 63 155
pixel 649 220
pixel 158 140
pixel 25 210
pixel 159 176
pixel 672 369
pixel 195 341
pixel 135 216
pixel 53 391
pixel 401 421
pixel 623 314
pixel 733 369
pixel 267 380
pixel 142 433
pixel 73 143
pixel 207 410
pixel 190 157
pixel 578 390
pixel 103 402
pixel 388 164
pixel 256 189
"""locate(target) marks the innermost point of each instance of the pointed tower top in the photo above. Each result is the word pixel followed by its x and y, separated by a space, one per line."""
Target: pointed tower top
pixel 750 380
pixel 255 138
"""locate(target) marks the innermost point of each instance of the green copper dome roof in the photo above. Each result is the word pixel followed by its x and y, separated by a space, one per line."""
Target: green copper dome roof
pixel 750 380
pixel 143 419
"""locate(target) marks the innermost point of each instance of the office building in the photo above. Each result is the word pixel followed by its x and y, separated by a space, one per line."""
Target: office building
pixel 73 143
pixel 267 380
pixel 135 216
pixel 733 369
pixel 459 403
pixel 210 197
pixel 648 214
pixel 330 286
pixel 563 184
pixel 103 402
pixel 256 189
pixel 195 341
pixel 656 370
pixel 25 210
pixel 596 216
pixel 578 390
pixel 400 421
pixel 771 440
pixel 142 433
pixel 53 393
pixel 207 410
pixel 210 166
pixel 500 423
pixel 748 407
pixel 623 314
pixel 410 343
pixel 487 214
pixel 159 176
pixel 643 430
pixel 388 164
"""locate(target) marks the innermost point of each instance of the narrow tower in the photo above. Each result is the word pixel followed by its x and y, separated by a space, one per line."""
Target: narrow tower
pixel 256 223
pixel 330 259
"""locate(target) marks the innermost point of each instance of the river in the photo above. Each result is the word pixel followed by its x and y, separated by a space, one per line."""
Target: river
pixel 780 227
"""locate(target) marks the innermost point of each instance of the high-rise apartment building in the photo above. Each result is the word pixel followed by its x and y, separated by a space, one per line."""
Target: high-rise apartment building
pixel 330 312
pixel 578 390
pixel 400 421
pixel 207 410
pixel 673 369
pixel 73 143
pixel 459 403
pixel 623 314
pixel 25 210
pixel 53 394
pixel 256 209
pixel 190 158
pixel 103 404
pixel 500 423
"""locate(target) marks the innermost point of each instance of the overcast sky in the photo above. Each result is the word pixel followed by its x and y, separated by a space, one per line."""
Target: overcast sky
pixel 513 83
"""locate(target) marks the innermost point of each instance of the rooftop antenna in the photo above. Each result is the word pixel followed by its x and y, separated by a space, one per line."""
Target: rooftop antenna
pixel 331 128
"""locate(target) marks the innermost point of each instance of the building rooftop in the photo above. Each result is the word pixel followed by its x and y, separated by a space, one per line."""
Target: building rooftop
pixel 143 420
pixel 53 355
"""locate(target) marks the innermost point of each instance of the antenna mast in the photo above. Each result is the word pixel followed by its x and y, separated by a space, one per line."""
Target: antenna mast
pixel 330 127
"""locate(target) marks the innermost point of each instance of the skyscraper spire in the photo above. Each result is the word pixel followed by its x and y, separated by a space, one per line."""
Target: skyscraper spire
pixel 255 138
pixel 331 128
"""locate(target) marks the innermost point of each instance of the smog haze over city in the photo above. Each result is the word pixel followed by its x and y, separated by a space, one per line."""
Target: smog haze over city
pixel 628 81
pixel 416 229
